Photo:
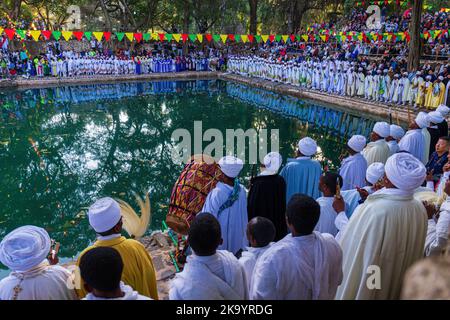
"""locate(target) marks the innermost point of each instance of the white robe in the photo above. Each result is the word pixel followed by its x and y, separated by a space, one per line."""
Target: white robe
pixel 414 143
pixel 387 231
pixel 326 223
pixel 233 221
pixel 353 171
pixel 426 149
pixel 299 268
pixel 438 232
pixel 376 151
pixel 43 282
pixel 248 261
pixel 216 277
pixel 393 147
pixel 129 294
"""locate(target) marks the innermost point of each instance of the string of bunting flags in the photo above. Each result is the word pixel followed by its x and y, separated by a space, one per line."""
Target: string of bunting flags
pixel 321 36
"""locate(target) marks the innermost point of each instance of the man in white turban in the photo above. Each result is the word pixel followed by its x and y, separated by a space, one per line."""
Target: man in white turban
pixel 378 150
pixel 228 203
pixel 396 133
pixel 25 251
pixel 443 126
pixel 353 168
pixel 413 141
pixel 385 235
pixel 302 174
pixel 267 195
pixel 435 118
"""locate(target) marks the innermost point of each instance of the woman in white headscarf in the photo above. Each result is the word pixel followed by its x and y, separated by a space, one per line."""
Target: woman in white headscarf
pixel 24 251
pixel 386 234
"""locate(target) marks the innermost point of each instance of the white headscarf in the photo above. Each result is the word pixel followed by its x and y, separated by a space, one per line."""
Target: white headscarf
pixel 231 166
pixel 375 172
pixel 104 214
pixel 24 248
pixel 422 120
pixel 307 146
pixel 397 132
pixel 435 117
pixel 405 171
pixel 357 143
pixel 272 161
pixel 382 129
pixel 443 109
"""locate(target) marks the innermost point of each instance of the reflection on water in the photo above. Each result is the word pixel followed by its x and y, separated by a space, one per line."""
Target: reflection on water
pixel 60 148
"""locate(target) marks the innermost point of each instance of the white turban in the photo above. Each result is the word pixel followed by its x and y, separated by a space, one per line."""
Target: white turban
pixel 375 172
pixel 272 161
pixel 382 129
pixel 24 248
pixel 397 132
pixel 435 117
pixel 104 214
pixel 443 109
pixel 357 143
pixel 307 146
pixel 231 166
pixel 405 171
pixel 422 120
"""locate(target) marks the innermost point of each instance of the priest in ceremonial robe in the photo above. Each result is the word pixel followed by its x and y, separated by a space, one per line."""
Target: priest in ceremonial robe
pixel 378 149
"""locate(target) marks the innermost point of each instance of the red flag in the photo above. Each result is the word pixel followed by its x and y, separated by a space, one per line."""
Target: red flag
pixel 10 33
pixel 161 36
pixel 184 36
pixel 231 37
pixel 107 35
pixel 208 37
pixel 251 38
pixel 47 34
pixel 292 37
pixel 138 37
pixel 407 36
pixel 272 38
pixel 78 35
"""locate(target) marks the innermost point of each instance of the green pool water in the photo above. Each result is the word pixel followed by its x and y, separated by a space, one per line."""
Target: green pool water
pixel 63 147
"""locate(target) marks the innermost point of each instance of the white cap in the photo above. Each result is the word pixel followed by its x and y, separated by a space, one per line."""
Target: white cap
pixel 375 172
pixel 272 161
pixel 307 146
pixel 443 109
pixel 357 143
pixel 422 120
pixel 397 132
pixel 231 166
pixel 383 129
pixel 435 117
pixel 104 214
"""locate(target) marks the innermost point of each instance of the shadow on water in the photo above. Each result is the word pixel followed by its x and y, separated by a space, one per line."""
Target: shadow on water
pixel 63 147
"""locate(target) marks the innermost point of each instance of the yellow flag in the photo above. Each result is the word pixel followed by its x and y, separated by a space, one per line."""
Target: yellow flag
pixel 35 34
pixel 402 35
pixel 200 37
pixel 177 37
pixel 67 35
pixel 224 37
pixel 305 37
pixel 1 31
pixel 285 38
pixel 129 35
pixel 98 35
pixel 323 38
pixel 265 38
pixel 360 37
pixel 155 36
pixel 437 33
pixel 389 37
pixel 244 38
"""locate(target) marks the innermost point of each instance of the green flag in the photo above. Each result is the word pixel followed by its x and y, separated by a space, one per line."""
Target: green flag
pixel 120 35
pixel 56 35
pixel 258 38
pixel 193 37
pixel 216 37
pixel 88 35
pixel 21 33
pixel 278 38
pixel 169 36
pixel 146 36
pixel 237 37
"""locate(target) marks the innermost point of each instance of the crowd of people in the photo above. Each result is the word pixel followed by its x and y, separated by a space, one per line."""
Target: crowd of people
pixel 384 81
pixel 386 206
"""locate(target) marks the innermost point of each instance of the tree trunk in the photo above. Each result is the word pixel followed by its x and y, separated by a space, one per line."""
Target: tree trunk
pixel 15 14
pixel 415 42
pixel 186 20
pixel 253 16
pixel 106 14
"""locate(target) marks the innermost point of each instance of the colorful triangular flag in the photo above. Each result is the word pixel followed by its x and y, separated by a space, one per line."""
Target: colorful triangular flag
pixel 67 35
pixel 35 34
pixel 98 35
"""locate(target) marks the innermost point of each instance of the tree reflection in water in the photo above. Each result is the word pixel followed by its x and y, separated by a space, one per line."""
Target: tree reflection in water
pixel 61 148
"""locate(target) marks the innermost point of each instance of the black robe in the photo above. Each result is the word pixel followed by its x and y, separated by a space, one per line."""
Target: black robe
pixel 443 128
pixel 435 135
pixel 267 198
